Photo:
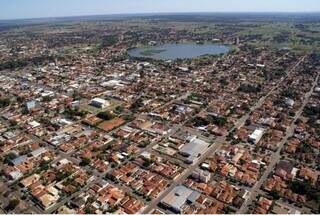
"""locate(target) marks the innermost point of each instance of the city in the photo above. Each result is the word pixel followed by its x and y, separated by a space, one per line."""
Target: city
pixel 99 115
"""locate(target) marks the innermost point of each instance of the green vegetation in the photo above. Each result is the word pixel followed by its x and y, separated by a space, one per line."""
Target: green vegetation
pixel 289 93
pixel 305 188
pixel 13 203
pixel 147 162
pixel 248 88
pixel 4 102
pixel 143 144
pixel 305 147
pixel 109 40
pixel 105 115
pixel 218 120
pixel 89 210
pixel 223 82
pixel 118 109
pixel 110 177
pixel 62 175
pixel 85 161
pixel 150 52
pixel 44 166
pixel 72 113
pixel 277 35
pixel 136 105
pixel 20 63
pixel 47 99
pixel 275 195
pixel 311 111
pixel 113 209
pixel 9 157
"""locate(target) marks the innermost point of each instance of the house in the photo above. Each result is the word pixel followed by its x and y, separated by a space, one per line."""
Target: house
pixel 12 173
pixel 38 152
pixel 19 160
pixel 47 94
pixel 201 175
pixel 30 180
pixel 286 170
pixel 49 198
pixel 66 210
pixel 308 174
pixel 279 208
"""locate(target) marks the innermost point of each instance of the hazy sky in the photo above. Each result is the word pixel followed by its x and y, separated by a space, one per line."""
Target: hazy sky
pixel 10 9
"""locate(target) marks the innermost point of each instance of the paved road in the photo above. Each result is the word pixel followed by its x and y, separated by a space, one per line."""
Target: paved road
pixel 276 156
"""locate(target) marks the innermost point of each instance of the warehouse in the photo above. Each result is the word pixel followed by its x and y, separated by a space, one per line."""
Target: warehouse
pixel 179 196
pixel 256 136
pixel 99 103
pixel 194 149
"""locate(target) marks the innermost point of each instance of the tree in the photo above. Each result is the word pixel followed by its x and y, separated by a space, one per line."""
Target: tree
pixel 13 203
pixel 289 93
pixel 85 161
pixel 9 157
pixel 248 88
pixel 47 99
pixel 275 194
pixel 113 208
pixel 147 162
pixel 119 109
pixel 136 105
pixel 89 210
pixel 74 112
pixel 109 40
pixel 4 102
pixel 223 82
pixel 218 120
pixel 105 115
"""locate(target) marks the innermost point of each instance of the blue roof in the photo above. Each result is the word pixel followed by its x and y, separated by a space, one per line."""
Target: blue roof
pixel 19 160
pixel 31 104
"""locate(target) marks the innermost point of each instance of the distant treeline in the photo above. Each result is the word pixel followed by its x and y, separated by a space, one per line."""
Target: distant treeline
pixel 109 40
pixel 236 17
pixel 20 63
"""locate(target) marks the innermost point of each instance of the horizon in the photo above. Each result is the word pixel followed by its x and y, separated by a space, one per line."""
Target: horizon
pixel 37 9
pixel 165 13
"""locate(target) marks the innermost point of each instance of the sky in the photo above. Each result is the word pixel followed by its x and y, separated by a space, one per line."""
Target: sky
pixel 16 9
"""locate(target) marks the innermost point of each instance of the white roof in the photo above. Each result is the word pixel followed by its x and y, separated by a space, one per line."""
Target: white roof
pixel 34 124
pixel 195 147
pixel 257 133
pixel 99 100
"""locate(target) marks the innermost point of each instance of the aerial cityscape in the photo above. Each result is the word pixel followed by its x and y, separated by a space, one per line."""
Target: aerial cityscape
pixel 150 109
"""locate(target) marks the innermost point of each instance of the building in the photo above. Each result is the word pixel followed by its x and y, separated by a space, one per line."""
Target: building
pixel 201 175
pixel 279 208
pixel 30 105
pixel 99 103
pixel 19 160
pixel 30 180
pixel 194 149
pixel 256 136
pixel 152 43
pixel 289 102
pixel 179 196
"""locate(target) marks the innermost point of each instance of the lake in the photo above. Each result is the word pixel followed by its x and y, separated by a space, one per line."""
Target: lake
pixel 173 51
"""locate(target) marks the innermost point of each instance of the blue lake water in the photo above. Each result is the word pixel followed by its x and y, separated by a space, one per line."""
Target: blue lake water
pixel 173 51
